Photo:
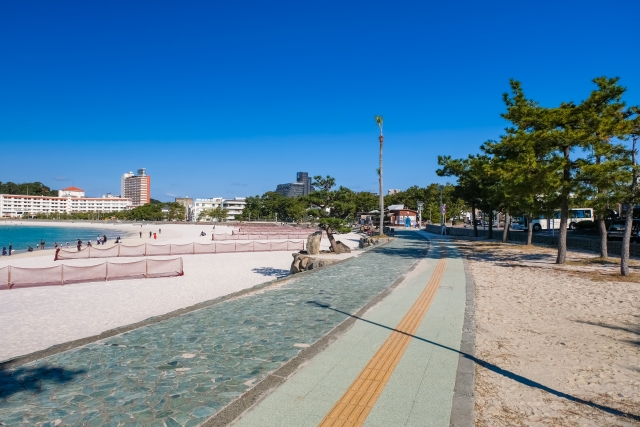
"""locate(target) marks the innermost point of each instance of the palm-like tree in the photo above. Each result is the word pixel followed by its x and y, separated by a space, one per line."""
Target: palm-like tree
pixel 379 121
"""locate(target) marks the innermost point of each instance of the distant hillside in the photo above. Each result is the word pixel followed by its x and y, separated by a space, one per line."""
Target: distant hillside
pixel 31 188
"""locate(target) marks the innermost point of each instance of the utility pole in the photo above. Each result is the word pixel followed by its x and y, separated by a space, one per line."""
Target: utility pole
pixel 441 206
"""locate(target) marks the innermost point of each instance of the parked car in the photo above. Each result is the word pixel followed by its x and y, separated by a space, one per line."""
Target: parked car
pixel 616 230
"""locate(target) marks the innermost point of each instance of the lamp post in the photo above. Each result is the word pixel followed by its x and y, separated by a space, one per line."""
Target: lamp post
pixel 420 204
pixel 441 206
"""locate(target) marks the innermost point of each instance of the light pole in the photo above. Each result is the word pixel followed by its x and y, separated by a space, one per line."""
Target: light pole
pixel 441 206
pixel 420 204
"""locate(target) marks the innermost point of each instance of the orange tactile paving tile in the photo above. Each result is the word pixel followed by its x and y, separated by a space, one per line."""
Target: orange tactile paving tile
pixel 354 406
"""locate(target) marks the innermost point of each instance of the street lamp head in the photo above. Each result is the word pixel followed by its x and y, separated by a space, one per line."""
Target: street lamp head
pixel 440 187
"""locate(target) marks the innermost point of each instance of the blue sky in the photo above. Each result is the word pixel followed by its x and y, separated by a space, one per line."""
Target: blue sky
pixel 231 98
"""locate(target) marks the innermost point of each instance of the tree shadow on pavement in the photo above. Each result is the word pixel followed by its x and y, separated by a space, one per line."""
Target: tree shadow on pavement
pixel 270 271
pixel 32 379
pixel 494 368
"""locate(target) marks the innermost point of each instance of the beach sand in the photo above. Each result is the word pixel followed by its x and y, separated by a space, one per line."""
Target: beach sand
pixel 39 317
pixel 559 332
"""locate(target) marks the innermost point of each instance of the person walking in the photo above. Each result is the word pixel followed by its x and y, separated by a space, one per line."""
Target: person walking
pixel 4 251
pixel 141 234
pixel 159 230
pixel 41 244
pixel 150 234
pixel 104 239
pixel 10 249
pixel 155 236
pixel 79 245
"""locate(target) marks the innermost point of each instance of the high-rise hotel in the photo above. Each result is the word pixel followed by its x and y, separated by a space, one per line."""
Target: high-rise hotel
pixel 137 187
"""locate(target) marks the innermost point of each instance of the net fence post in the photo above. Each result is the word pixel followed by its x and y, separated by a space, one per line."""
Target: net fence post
pixel 146 268
pixel 89 251
pixel 235 246
pixel 169 248
pixel 9 278
pixel 62 274
pixel 118 251
pixel 106 271
pixel 193 248
pixel 145 249
pixel 181 267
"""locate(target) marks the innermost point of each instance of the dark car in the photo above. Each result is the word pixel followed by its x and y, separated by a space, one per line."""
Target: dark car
pixel 616 230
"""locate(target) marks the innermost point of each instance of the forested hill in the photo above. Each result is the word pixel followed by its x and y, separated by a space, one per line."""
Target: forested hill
pixel 31 188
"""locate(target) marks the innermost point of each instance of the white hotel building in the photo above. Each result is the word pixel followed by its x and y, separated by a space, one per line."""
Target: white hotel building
pixel 233 206
pixel 71 200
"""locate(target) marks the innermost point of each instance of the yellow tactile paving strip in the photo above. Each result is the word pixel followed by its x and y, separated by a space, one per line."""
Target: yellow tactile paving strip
pixel 354 406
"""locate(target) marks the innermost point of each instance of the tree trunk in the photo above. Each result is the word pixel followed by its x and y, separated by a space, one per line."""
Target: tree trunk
pixel 490 236
pixel 602 228
pixel 626 242
pixel 505 232
pixel 628 223
pixel 529 230
pixel 564 209
pixel 473 216
pixel 381 195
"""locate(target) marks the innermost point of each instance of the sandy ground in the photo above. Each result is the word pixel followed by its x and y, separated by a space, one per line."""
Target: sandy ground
pixel 39 317
pixel 564 341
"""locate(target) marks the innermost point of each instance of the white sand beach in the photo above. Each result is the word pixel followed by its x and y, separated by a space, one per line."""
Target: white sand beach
pixel 39 317
pixel 558 331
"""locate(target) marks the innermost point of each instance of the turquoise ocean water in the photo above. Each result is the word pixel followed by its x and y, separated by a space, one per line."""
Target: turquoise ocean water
pixel 22 236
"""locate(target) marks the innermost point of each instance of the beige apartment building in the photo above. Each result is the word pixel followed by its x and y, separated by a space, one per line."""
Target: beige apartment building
pixel 137 187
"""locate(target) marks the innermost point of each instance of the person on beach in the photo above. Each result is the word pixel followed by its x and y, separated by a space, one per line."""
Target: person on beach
pixel 30 249
pixel 159 230
pixel 150 233
pixel 4 251
pixel 55 245
pixel 98 240
pixel 104 239
pixel 141 234
pixel 10 249
pixel 155 236
pixel 66 244
pixel 79 245
pixel 41 244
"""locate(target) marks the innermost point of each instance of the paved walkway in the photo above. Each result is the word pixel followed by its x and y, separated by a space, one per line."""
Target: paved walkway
pixel 396 367
pixel 181 371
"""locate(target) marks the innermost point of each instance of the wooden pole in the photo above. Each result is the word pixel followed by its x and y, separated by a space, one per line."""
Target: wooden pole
pixel 146 268
pixel 62 274
pixel 106 273
pixel 9 278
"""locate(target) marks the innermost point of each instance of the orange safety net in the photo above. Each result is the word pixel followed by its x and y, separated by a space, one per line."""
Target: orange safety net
pixel 18 277
pixel 183 249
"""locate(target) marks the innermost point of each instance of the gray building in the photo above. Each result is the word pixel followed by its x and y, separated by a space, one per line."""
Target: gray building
pixel 303 178
pixel 187 202
pixel 301 187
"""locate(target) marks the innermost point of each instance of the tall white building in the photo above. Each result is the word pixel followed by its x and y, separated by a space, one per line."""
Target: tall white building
pixel 124 177
pixel 16 205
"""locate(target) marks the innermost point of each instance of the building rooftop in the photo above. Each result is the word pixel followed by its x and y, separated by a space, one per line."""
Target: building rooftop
pixel 72 189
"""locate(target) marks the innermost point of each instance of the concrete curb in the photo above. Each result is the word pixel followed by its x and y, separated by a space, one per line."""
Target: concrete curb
pixel 463 404
pixel 230 413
